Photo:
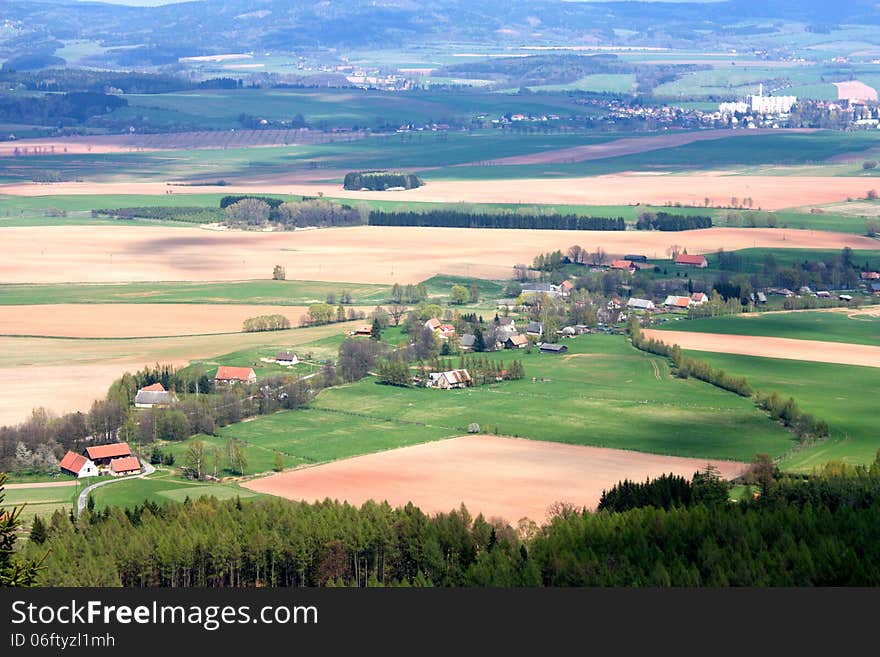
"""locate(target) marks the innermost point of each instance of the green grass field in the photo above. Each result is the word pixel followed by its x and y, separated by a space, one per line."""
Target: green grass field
pixel 802 325
pixel 602 393
pixel 269 292
pixel 163 487
pixel 842 395
pixel 316 436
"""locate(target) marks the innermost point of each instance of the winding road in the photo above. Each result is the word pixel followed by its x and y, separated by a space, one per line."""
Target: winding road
pixel 84 495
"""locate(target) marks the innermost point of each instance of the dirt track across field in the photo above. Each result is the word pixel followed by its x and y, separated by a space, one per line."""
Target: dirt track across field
pixel 136 319
pixel 508 478
pixel 765 347
pixel 657 188
pixel 627 146
pixel 367 254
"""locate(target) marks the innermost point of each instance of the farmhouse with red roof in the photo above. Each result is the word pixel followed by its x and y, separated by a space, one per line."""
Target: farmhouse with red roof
pixel 231 375
pixel 624 265
pixel 687 260
pixel 103 454
pixel 125 465
pixel 78 466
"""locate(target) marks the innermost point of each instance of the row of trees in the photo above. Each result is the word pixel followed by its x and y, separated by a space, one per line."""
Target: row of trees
pixel 685 366
pixel 820 531
pixel 380 180
pixel 256 212
pixel 805 426
pixel 671 222
pixel 265 323
pixel 467 219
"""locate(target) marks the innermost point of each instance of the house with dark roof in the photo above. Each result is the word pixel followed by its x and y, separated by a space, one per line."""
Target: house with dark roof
pixel 449 380
pixel 468 340
pixel 535 329
pixel 550 348
pixel 288 357
pixel 77 465
pixel 154 396
pixel 634 257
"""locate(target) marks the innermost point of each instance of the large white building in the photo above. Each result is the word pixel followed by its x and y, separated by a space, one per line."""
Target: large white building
pixel 760 104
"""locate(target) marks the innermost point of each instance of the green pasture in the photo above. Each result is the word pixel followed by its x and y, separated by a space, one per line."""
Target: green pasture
pixel 602 393
pixel 316 436
pixel 163 487
pixel 842 395
pixel 269 292
pixel 801 325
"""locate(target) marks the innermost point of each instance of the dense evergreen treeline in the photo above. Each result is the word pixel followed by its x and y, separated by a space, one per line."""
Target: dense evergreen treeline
pixel 98 81
pixel 671 222
pixel 460 219
pixel 74 107
pixel 379 181
pixel 822 531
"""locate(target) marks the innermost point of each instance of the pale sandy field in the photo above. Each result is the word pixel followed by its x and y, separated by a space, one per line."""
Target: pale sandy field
pixel 508 478
pixel 136 320
pixel 366 254
pixel 856 90
pixel 766 347
pixel 628 146
pixel 65 375
pixel 767 192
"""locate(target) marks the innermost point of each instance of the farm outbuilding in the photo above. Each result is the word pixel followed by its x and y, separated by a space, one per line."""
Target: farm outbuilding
pixel 548 348
pixel 286 358
pixel 231 375
pixel 686 260
pixel 102 455
pixel 78 466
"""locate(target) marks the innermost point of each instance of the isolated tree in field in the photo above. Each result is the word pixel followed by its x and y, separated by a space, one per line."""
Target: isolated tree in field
pixel 279 462
pixel 396 312
pixel 872 195
pixel 872 227
pixel 331 299
pixel 14 571
pixel 459 295
pixel 235 456
pixel 278 274
pixel 346 297
pixel 376 330
pixel 248 212
pixel 195 461
pixel 396 293
pixel 475 293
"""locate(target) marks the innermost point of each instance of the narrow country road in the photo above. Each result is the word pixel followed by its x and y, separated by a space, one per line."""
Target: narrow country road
pixel 84 495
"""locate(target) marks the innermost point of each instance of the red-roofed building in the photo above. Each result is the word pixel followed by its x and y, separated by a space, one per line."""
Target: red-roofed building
pixel 687 260
pixel 78 465
pixel 566 288
pixel 103 454
pixel 231 375
pixel 155 387
pixel 125 465
pixel 699 298
pixel 870 275
pixel 624 265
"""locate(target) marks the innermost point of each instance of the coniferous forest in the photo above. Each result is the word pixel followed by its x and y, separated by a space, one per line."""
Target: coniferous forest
pixel 817 531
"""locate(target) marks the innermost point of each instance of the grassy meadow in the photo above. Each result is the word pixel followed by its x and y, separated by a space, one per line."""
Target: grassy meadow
pixel 839 394
pixel 830 326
